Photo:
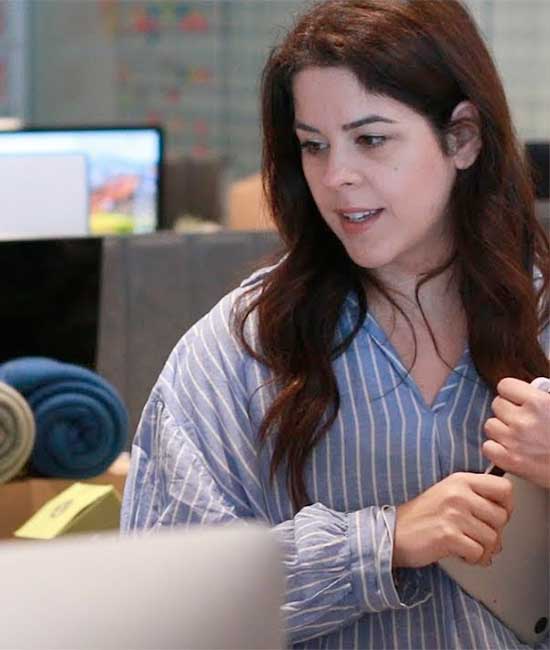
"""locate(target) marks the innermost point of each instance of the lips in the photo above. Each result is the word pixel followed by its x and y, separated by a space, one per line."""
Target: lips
pixel 357 215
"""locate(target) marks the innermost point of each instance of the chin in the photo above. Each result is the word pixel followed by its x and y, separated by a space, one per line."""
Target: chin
pixel 367 261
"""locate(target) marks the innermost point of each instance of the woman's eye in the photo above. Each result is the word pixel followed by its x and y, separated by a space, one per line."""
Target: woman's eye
pixel 372 140
pixel 312 147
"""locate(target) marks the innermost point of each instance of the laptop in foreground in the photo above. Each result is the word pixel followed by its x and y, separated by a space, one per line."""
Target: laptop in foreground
pixel 206 587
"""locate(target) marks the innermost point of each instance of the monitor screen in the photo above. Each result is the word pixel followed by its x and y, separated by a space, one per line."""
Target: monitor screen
pixel 124 170
pixel 50 299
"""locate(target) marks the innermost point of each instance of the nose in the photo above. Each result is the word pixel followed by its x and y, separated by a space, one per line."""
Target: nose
pixel 341 170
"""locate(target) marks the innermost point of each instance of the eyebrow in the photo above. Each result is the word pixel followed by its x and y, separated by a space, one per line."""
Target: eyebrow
pixel 370 119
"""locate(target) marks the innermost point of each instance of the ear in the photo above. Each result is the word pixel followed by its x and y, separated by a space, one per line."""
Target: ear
pixel 464 137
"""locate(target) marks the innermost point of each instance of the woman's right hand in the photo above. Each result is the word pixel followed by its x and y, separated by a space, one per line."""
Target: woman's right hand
pixel 463 515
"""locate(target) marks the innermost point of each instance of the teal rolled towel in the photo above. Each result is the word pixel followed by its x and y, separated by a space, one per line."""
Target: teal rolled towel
pixel 17 432
pixel 81 422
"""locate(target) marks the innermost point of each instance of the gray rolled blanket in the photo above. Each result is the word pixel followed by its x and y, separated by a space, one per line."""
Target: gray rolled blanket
pixel 17 432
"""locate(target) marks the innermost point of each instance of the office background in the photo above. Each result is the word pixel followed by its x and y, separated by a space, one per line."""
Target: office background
pixel 193 66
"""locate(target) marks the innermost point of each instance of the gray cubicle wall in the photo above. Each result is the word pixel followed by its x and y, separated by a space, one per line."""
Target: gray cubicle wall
pixel 154 288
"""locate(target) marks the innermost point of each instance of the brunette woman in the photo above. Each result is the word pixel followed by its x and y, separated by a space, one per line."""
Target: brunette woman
pixel 352 394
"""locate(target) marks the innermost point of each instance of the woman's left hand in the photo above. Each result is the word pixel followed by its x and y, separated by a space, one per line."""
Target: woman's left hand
pixel 519 432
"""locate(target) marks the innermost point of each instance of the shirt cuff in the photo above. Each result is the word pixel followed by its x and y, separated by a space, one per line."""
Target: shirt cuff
pixel 371 532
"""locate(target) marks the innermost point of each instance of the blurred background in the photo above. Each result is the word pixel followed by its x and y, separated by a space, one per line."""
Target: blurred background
pixel 193 68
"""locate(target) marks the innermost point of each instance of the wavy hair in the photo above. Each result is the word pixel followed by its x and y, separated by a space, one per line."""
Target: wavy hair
pixel 430 56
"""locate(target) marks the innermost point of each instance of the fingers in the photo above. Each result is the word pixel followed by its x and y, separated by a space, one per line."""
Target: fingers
pixel 518 440
pixel 467 549
pixel 490 513
pixel 476 508
pixel 506 411
pixel 498 455
pixel 475 542
pixel 497 430
pixel 499 440
pixel 494 488
pixel 514 390
pixel 490 551
pixel 486 536
pixel 462 515
pixel 513 406
pixel 527 468
pixel 519 392
pixel 473 552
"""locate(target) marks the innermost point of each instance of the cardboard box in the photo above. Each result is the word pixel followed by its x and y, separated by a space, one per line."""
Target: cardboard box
pixel 247 207
pixel 19 500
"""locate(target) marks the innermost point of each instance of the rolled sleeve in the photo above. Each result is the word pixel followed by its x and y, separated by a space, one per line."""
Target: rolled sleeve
pixel 371 532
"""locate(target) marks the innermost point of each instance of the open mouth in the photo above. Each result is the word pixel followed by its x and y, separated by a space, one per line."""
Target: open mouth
pixel 359 216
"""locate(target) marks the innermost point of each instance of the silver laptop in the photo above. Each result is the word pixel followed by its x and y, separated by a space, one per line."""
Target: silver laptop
pixel 516 586
pixel 205 587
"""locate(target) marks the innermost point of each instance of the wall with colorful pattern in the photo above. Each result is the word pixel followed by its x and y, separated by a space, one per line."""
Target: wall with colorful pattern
pixel 193 66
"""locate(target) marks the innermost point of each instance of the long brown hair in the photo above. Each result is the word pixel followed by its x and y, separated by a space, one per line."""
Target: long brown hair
pixel 429 56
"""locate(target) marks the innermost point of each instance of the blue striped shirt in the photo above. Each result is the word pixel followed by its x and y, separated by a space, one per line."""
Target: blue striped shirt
pixel 196 460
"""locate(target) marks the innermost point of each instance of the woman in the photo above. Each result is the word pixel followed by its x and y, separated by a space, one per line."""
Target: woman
pixel 345 395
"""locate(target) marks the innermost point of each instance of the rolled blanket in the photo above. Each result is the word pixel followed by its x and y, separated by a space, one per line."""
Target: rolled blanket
pixel 16 432
pixel 81 422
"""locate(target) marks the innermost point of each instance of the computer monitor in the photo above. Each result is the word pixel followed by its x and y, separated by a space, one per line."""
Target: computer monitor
pixel 124 170
pixel 43 196
pixel 206 587
pixel 50 299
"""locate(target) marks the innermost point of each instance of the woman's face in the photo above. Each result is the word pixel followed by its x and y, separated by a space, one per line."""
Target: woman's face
pixel 376 172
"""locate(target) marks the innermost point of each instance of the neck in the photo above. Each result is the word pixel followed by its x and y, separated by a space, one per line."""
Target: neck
pixel 435 295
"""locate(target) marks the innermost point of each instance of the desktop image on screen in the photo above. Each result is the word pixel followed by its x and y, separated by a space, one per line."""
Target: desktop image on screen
pixel 124 167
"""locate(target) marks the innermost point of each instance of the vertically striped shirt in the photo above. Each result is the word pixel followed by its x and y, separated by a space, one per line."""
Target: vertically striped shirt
pixel 196 460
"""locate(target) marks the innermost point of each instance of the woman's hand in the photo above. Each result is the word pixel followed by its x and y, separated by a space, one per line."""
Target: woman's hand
pixel 462 515
pixel 519 432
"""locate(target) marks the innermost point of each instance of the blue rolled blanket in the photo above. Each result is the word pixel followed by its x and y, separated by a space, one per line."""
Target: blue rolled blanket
pixel 81 422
